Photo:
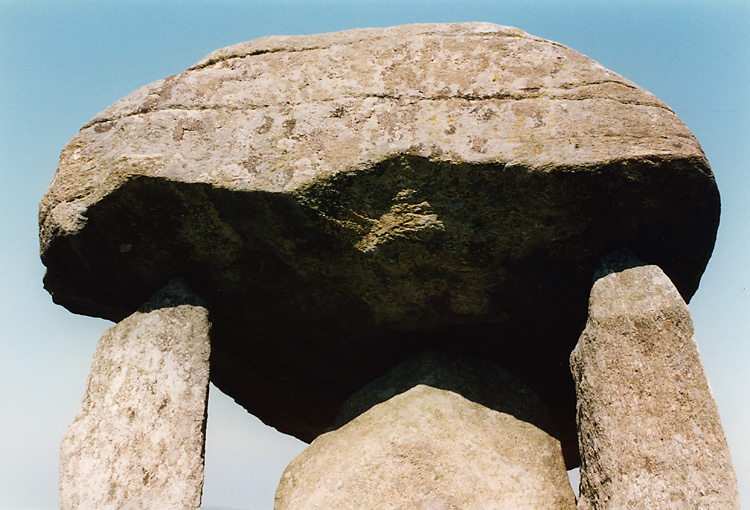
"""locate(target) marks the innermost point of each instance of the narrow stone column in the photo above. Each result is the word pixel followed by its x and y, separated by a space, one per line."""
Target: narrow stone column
pixel 138 440
pixel 457 434
pixel 649 430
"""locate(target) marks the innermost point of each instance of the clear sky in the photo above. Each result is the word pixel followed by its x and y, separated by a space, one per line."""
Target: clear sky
pixel 61 62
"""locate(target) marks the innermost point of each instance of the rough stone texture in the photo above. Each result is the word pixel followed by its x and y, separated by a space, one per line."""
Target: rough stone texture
pixel 434 448
pixel 137 442
pixel 347 200
pixel 649 431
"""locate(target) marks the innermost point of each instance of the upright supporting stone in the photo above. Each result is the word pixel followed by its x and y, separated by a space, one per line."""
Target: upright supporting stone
pixel 461 435
pixel 649 431
pixel 138 440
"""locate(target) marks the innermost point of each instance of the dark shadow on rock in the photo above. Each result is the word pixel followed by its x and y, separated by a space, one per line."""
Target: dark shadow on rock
pixel 476 380
pixel 617 261
pixel 309 301
pixel 176 292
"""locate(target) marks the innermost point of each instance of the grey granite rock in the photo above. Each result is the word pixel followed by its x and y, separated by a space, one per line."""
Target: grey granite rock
pixel 649 431
pixel 343 201
pixel 430 447
pixel 137 442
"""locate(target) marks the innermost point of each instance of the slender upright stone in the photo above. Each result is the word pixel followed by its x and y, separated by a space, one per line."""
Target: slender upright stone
pixel 461 435
pixel 138 440
pixel 649 430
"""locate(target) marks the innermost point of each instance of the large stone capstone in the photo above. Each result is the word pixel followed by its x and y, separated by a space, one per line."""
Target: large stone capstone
pixel 343 201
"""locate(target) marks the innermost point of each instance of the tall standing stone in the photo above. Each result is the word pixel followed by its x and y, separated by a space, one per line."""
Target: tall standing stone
pixel 649 430
pixel 459 434
pixel 138 440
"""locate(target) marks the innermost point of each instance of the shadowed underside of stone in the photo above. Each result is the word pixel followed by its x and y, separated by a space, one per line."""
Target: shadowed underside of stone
pixel 345 200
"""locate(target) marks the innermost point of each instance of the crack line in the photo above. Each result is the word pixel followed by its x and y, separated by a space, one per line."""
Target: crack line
pixel 230 56
pixel 411 99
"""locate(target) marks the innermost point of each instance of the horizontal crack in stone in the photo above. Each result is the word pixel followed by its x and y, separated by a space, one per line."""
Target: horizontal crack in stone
pixel 222 58
pixel 507 96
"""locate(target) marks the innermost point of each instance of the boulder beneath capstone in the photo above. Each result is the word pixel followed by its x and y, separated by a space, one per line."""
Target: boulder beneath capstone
pixel 436 432
pixel 343 201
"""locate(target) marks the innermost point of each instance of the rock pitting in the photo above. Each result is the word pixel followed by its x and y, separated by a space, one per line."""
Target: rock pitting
pixel 342 202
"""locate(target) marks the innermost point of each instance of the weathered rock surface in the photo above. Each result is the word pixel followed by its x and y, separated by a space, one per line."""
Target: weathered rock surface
pixel 343 201
pixel 137 442
pixel 649 431
pixel 434 447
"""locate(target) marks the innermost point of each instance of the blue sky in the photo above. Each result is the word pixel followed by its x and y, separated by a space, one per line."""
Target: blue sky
pixel 64 61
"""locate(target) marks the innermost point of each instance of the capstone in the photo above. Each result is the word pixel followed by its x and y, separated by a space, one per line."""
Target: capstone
pixel 344 201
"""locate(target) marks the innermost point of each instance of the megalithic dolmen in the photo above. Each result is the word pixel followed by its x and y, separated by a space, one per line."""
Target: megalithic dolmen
pixel 343 203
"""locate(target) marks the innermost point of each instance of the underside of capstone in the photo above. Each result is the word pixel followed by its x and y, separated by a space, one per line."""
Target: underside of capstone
pixel 344 201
